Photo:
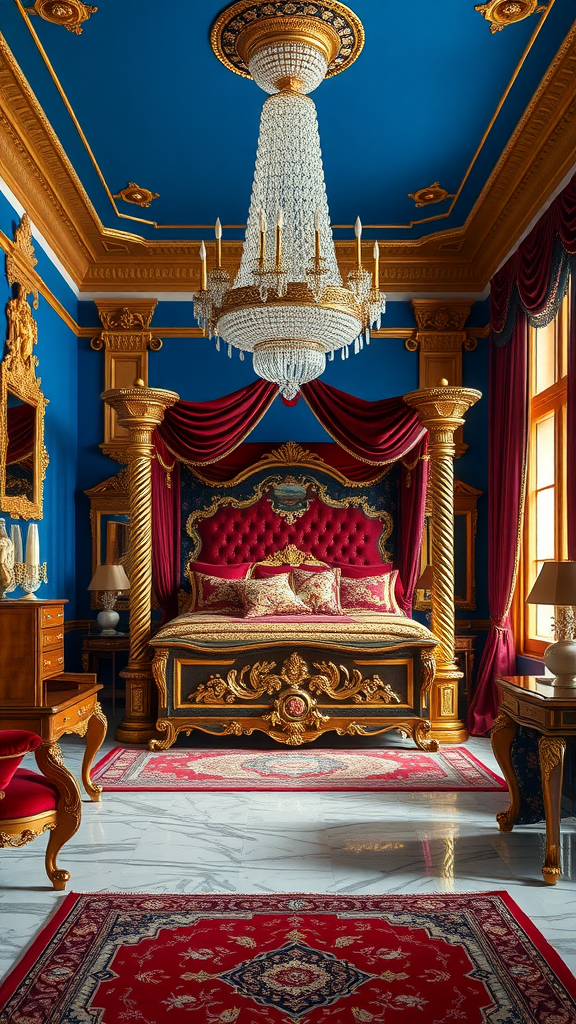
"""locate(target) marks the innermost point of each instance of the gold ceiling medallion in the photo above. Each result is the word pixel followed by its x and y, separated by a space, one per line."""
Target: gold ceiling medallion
pixel 245 26
pixel 501 13
pixel 133 193
pixel 69 13
pixel 434 193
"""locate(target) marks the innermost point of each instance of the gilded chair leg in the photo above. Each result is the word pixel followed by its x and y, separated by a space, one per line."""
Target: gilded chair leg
pixel 95 735
pixel 68 810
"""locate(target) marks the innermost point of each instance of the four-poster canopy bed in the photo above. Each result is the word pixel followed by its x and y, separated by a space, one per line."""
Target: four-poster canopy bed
pixel 294 677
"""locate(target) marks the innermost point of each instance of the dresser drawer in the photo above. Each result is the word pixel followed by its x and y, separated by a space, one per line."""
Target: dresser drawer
pixel 51 638
pixel 53 615
pixel 52 662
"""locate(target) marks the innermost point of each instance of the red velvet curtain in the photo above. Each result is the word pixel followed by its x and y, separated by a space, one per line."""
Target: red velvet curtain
pixel 571 426
pixel 508 416
pixel 203 434
pixel 21 428
pixel 527 289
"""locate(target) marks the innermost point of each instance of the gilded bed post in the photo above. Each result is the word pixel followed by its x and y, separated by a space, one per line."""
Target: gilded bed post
pixel 140 410
pixel 441 410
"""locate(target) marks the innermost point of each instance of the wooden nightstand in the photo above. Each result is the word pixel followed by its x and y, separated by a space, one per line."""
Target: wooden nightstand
pixel 551 712
pixel 96 646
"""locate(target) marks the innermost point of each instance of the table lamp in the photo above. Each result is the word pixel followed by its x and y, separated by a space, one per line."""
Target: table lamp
pixel 109 580
pixel 556 584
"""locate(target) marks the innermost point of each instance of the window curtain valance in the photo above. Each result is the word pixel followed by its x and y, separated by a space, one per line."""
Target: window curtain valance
pixel 528 289
pixel 535 278
pixel 202 433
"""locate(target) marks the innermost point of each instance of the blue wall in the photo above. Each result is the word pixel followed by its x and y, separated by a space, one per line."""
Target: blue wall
pixel 58 369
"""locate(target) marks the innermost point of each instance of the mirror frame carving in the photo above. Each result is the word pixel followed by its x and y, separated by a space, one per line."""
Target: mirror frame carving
pixel 18 373
pixel 108 498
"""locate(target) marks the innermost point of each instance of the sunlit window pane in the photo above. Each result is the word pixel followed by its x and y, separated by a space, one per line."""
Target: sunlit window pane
pixel 545 363
pixel 545 452
pixel 544 616
pixel 545 524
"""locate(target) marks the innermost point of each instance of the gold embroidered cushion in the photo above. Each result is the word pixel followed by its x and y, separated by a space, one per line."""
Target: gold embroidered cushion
pixel 213 594
pixel 372 594
pixel 273 596
pixel 319 590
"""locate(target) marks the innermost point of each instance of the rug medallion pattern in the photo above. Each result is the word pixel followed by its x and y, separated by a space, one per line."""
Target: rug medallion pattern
pixel 295 959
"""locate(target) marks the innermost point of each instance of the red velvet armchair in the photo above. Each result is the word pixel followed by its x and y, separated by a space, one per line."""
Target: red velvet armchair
pixel 31 804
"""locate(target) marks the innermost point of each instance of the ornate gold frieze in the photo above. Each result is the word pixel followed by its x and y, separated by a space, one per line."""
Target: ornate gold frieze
pixel 501 13
pixel 69 13
pixel 18 839
pixel 134 193
pixel 292 454
pixel 253 681
pixel 433 193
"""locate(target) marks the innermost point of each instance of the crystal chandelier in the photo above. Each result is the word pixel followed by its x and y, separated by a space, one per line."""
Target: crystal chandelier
pixel 288 305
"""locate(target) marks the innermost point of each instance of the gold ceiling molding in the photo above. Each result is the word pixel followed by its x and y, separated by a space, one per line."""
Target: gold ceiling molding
pixel 501 13
pixel 68 13
pixel 433 193
pixel 35 167
pixel 37 284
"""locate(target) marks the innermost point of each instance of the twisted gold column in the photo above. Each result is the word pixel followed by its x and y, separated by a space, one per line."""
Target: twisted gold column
pixel 441 410
pixel 139 410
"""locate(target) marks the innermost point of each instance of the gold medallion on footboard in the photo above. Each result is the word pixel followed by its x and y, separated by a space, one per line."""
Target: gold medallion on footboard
pixel 293 695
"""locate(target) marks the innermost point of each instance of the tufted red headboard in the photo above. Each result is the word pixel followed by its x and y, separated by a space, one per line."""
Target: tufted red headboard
pixel 330 534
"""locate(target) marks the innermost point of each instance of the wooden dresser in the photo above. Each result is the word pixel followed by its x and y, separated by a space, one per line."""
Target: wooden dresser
pixel 31 648
pixel 37 694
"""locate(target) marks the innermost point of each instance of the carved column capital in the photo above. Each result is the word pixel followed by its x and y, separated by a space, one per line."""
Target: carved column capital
pixel 441 411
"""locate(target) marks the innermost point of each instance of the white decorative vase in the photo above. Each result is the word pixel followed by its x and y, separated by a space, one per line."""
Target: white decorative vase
pixel 560 658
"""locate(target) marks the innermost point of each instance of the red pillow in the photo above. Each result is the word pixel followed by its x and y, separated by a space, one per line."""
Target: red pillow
pixel 370 594
pixel 264 572
pixel 14 743
pixel 360 572
pixel 202 595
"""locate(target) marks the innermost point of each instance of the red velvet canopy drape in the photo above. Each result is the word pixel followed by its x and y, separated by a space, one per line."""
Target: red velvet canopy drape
pixel 375 433
pixel 528 288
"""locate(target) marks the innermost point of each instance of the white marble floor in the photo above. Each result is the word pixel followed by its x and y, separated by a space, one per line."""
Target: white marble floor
pixel 293 842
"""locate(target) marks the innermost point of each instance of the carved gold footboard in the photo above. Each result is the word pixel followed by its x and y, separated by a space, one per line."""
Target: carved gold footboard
pixel 294 696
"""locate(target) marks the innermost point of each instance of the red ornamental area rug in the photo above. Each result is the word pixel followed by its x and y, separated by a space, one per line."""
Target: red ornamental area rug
pixel 453 768
pixel 302 959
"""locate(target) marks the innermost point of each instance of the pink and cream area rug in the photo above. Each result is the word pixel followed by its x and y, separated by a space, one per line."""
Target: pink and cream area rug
pixel 452 768
pixel 117 958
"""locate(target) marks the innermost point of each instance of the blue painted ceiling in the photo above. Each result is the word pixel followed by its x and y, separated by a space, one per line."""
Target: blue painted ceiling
pixel 158 108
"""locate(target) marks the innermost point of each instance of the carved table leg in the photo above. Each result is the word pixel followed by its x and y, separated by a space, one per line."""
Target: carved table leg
pixel 95 735
pixel 551 751
pixel 503 732
pixel 68 810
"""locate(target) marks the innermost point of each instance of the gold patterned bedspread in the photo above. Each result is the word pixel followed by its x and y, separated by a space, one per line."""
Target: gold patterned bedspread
pixel 365 630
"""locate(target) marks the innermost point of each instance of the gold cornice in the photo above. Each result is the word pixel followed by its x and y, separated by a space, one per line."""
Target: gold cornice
pixel 10 249
pixel 537 157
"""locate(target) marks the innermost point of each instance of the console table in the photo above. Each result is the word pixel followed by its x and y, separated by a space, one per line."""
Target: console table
pixel 550 711
pixel 36 694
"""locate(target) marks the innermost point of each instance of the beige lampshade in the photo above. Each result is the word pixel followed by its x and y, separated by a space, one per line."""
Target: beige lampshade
pixel 426 577
pixel 109 577
pixel 556 584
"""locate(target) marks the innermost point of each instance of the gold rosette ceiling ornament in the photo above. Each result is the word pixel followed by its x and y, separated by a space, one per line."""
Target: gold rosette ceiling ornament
pixel 288 305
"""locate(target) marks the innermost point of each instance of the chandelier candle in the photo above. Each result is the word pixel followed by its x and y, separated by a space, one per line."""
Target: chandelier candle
pixel 293 310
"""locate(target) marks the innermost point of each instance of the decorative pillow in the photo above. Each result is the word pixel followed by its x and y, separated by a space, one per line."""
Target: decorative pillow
pixel 319 590
pixel 264 572
pixel 360 572
pixel 371 594
pixel 203 593
pixel 270 597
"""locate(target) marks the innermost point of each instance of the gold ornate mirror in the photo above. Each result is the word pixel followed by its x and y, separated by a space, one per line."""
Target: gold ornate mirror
pixel 23 457
pixel 110 527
